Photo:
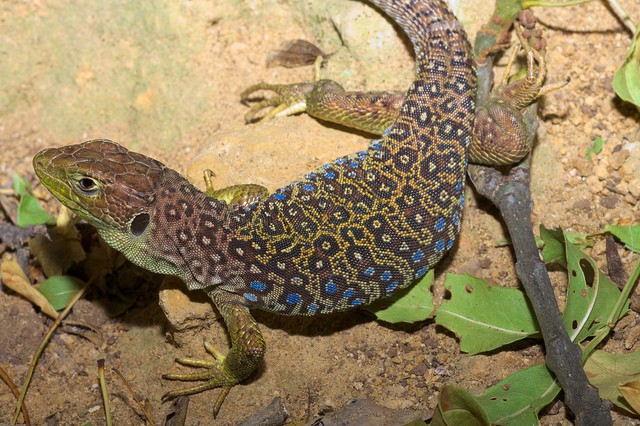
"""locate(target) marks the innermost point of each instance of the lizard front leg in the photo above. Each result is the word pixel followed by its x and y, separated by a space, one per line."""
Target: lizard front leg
pixel 247 344
pixel 225 371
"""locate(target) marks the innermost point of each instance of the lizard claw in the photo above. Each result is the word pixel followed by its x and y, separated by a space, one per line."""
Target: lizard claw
pixel 213 377
pixel 216 406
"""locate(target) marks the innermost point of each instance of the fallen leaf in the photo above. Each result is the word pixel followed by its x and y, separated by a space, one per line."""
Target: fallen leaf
pixel 14 278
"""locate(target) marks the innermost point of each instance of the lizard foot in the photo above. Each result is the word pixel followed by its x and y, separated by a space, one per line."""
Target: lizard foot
pixel 290 99
pixel 214 376
pixel 224 371
pixel 243 195
pixel 503 135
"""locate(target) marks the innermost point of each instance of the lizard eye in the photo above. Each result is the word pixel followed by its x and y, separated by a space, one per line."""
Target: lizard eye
pixel 87 185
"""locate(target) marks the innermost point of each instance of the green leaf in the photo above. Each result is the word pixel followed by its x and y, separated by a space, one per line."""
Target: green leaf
pixel 20 185
pixel 517 399
pixel 60 289
pixel 629 235
pixel 456 406
pixel 553 251
pixel 30 212
pixel 608 371
pixel 591 296
pixel 412 305
pixel 626 81
pixel 485 317
pixel 595 148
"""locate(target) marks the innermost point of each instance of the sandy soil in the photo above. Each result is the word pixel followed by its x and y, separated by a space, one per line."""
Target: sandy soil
pixel 165 80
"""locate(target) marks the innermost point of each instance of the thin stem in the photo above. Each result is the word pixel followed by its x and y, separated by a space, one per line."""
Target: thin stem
pixel 622 15
pixel 551 3
pixel 104 391
pixel 142 407
pixel 613 4
pixel 615 312
pixel 14 390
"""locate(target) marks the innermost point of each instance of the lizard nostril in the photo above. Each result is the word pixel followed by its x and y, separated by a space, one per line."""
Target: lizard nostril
pixel 38 161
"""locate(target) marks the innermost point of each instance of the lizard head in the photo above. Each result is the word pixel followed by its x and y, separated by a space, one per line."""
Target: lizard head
pixel 105 184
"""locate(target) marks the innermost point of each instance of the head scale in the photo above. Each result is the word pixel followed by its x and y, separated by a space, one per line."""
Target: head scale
pixel 102 182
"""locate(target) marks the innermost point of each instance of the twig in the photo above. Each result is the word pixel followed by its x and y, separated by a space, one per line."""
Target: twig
pixel 5 378
pixel 135 398
pixel 512 196
pixel 552 3
pixel 622 15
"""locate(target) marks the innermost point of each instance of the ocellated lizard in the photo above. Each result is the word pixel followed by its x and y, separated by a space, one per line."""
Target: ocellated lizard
pixel 353 231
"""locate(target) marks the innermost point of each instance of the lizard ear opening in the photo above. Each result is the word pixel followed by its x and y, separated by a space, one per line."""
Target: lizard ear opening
pixel 139 224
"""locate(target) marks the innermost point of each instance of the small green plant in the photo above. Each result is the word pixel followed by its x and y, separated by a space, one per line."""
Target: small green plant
pixel 486 317
pixel 626 81
pixel 595 148
pixel 30 212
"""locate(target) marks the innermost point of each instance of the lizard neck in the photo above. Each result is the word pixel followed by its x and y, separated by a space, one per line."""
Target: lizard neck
pixel 186 234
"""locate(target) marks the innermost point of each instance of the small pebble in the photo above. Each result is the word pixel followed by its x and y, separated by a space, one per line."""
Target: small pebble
pixel 609 202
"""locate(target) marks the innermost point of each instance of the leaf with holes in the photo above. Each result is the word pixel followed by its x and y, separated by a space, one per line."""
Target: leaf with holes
pixel 409 305
pixel 591 296
pixel 517 399
pixel 485 317
pixel 581 241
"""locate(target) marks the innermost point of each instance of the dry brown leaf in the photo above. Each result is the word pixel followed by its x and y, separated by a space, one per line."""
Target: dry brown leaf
pixel 294 53
pixel 61 249
pixel 631 392
pixel 56 255
pixel 14 278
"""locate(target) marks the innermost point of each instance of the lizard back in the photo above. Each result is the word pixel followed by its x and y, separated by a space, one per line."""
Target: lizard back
pixel 365 225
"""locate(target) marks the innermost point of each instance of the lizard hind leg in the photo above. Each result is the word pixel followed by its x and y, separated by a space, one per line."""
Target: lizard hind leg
pixel 502 135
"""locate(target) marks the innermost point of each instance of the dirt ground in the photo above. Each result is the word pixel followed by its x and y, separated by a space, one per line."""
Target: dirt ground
pixel 165 80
